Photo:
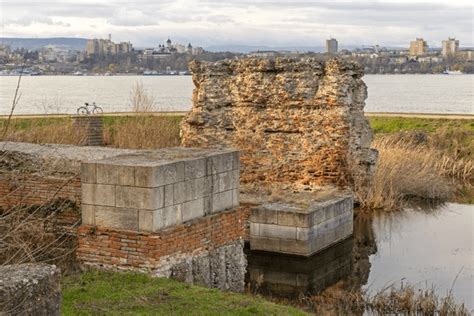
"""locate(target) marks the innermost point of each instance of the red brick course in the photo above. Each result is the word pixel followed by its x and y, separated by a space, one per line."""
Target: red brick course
pixel 129 249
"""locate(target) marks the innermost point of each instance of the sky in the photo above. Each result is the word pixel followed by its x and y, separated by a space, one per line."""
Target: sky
pixel 243 22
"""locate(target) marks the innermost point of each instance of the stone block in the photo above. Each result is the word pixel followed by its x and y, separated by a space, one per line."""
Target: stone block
pixel 88 214
pixel 222 201
pixel 121 218
pixel 140 198
pixel 304 233
pixel 236 160
pixel 106 173
pixel 146 220
pixel 163 174
pixel 225 181
pixel 277 231
pixel 236 179
pixel 295 219
pixel 196 168
pixel 88 173
pixel 254 229
pixel 98 194
pixel 179 192
pixel 192 209
pixel 202 187
pixel 219 163
pixel 264 243
pixel 297 247
pixel 125 175
pixel 263 215
pixel 169 194
pixel 169 216
pixel 235 197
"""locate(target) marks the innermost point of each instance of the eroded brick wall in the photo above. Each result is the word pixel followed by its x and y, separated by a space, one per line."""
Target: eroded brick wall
pixel 299 123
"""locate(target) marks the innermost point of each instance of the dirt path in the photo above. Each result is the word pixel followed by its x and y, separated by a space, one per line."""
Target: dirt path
pixel 179 113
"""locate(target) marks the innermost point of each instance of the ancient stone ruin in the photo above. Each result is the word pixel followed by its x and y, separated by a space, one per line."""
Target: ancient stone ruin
pixel 304 142
pixel 298 123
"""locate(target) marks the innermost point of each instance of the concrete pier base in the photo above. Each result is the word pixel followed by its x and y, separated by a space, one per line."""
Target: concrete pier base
pixel 292 229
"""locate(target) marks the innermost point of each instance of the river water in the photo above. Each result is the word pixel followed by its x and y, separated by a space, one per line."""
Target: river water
pixel 387 93
pixel 422 248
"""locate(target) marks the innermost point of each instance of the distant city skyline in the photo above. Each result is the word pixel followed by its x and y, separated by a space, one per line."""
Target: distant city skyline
pixel 260 23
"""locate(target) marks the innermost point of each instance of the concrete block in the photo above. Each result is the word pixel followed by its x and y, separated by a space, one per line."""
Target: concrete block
pixel 235 179
pixel 298 247
pixel 235 197
pixel 203 187
pixel 120 218
pixel 88 214
pixel 219 163
pixel 207 205
pixel 125 175
pixel 179 192
pixel 264 243
pixel 319 216
pixel 106 173
pixel 88 173
pixel 146 220
pixel 262 215
pixel 221 201
pixel 295 219
pixel 277 231
pixel 192 209
pixel 304 233
pixel 254 229
pixel 169 195
pixel 213 183
pixel 189 190
pixel 169 216
pixel 196 168
pixel 236 160
pixel 225 181
pixel 155 176
pixel 98 194
pixel 140 198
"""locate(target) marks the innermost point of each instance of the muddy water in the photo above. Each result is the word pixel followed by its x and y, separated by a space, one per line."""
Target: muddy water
pixel 423 248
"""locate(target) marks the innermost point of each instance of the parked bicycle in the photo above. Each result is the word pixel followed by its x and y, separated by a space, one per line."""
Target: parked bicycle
pixel 88 109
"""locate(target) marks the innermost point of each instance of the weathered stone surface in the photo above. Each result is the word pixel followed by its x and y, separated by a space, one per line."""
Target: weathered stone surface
pixel 30 289
pixel 297 122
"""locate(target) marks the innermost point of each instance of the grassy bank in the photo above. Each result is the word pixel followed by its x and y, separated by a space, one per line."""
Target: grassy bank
pixel 101 293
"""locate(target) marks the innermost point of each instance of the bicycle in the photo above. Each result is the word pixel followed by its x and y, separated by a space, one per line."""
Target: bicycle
pixel 88 109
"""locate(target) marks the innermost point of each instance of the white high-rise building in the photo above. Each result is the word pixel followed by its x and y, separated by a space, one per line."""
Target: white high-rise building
pixel 331 46
pixel 450 47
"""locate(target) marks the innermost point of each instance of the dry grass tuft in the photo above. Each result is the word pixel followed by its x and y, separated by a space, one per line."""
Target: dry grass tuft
pixel 410 167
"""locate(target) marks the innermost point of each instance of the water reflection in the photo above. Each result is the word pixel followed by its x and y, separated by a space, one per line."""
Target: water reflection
pixel 290 276
pixel 421 248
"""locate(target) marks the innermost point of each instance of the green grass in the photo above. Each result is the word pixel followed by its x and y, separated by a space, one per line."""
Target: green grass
pixel 113 293
pixel 398 124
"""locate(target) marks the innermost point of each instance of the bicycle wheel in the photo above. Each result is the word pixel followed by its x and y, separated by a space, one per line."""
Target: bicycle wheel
pixel 82 110
pixel 97 110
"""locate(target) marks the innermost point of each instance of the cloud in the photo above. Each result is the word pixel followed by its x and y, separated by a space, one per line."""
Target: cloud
pixel 262 22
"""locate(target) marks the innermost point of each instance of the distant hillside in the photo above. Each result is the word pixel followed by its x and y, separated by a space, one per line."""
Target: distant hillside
pixel 36 43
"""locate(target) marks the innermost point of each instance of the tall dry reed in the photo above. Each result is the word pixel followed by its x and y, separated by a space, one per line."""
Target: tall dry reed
pixel 410 168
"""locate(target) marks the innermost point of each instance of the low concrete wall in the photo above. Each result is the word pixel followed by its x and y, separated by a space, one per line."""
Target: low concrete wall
pixel 30 289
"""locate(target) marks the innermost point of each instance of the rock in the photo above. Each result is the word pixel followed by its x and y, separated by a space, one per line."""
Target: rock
pixel 30 289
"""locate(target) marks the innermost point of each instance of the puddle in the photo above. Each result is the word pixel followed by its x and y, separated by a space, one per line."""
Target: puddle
pixel 424 249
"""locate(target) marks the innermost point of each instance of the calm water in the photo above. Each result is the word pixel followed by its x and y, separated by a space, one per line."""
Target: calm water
pixel 387 93
pixel 424 249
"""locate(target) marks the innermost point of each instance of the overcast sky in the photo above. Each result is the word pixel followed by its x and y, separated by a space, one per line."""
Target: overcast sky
pixel 214 22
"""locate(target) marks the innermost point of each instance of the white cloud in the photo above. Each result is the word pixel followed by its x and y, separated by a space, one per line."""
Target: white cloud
pixel 265 22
